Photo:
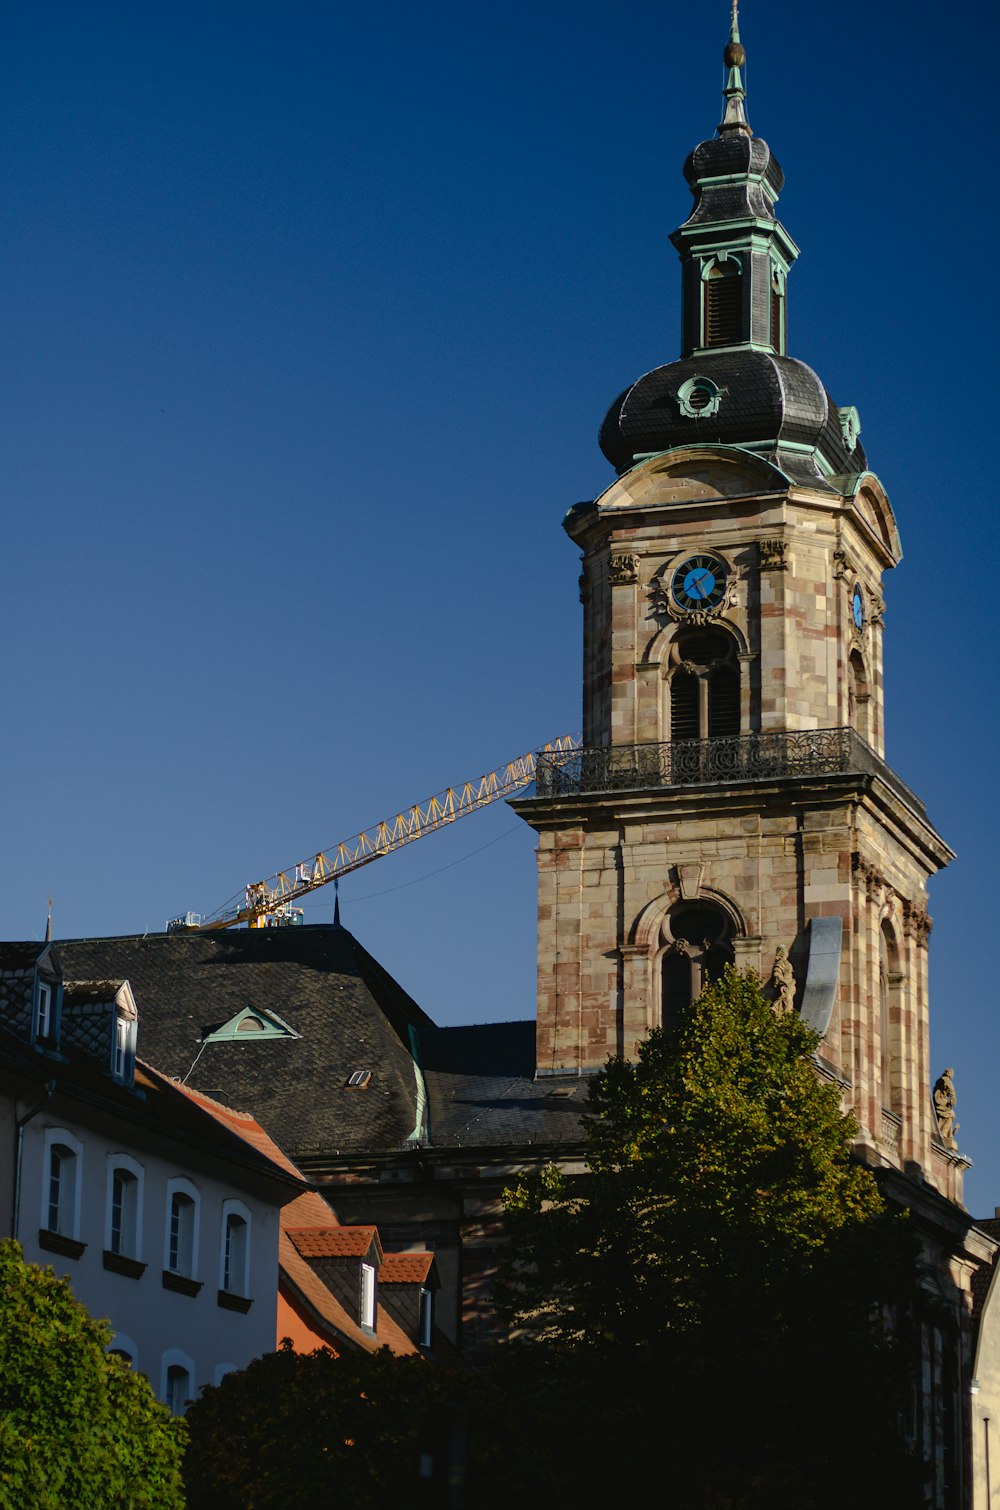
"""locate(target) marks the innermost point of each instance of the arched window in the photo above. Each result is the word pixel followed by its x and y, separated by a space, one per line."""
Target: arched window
pixel 724 303
pixel 697 947
pixel 890 1020
pixel 123 1225
pixel 181 1256
pixel 177 1381
pixel 858 696
pixel 234 1270
pixel 61 1184
pixel 704 685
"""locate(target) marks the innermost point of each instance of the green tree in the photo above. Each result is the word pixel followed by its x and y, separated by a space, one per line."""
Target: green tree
pixel 298 1430
pixel 77 1426
pixel 715 1295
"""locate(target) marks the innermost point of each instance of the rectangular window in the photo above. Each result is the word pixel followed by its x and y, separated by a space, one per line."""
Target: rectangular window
pixel 368 1297
pixel 57 1179
pixel 119 1062
pixel 426 1317
pixel 44 1012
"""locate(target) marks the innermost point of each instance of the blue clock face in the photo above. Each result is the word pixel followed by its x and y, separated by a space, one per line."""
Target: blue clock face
pixel 699 582
pixel 858 609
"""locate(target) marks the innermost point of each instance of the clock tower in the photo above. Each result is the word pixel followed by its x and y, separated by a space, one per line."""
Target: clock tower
pixel 732 802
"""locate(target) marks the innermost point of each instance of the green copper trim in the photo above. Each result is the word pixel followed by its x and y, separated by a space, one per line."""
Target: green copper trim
pixel 261 1024
pixel 721 448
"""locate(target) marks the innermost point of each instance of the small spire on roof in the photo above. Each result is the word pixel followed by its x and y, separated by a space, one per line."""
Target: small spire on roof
pixel 336 903
pixel 48 924
pixel 734 117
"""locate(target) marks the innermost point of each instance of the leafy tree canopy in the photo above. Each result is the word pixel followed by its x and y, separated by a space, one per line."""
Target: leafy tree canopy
pixel 77 1426
pixel 720 1283
pixel 295 1431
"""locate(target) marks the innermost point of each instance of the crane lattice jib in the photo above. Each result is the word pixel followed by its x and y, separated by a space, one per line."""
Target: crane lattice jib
pixel 286 886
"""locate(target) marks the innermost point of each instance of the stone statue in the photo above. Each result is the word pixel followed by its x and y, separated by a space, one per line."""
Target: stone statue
pixel 944 1108
pixel 783 980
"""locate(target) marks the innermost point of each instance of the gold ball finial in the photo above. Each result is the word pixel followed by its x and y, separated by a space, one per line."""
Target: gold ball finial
pixel 735 55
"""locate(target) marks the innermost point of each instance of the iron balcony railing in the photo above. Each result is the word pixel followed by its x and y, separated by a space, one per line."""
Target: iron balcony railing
pixel 704 762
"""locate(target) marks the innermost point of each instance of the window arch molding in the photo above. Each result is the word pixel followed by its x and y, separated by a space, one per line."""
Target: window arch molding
pixel 124 1347
pixel 695 944
pixel 648 927
pixel 62 1183
pixel 181 1239
pixel 123 1210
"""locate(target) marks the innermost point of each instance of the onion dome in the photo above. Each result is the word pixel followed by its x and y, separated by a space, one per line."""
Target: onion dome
pixel 735 383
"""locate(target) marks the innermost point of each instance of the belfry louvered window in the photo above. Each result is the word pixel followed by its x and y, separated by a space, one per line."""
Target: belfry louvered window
pixel 777 314
pixel 704 685
pixel 723 304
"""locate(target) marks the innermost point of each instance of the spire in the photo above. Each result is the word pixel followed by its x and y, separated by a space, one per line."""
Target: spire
pixel 48 924
pixel 336 903
pixel 734 116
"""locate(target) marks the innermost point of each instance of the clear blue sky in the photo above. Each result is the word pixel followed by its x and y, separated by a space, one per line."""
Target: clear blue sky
pixel 310 315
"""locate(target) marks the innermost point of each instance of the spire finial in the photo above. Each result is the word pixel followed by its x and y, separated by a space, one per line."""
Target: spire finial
pixel 734 116
pixel 48 924
pixel 336 903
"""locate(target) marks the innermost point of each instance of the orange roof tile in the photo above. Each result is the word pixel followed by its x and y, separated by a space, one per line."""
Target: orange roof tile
pixel 198 1107
pixel 308 1210
pixel 334 1242
pixel 405 1268
pixel 241 1123
pixel 303 1281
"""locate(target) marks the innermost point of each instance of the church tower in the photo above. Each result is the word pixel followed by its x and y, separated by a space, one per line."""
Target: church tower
pixel 732 801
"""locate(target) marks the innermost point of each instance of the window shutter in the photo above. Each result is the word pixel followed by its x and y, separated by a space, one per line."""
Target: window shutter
pixel 684 706
pixel 723 306
pixel 723 702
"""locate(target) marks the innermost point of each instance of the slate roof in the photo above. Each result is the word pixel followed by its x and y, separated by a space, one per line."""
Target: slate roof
pixel 766 398
pixel 348 1012
pixel 481 1088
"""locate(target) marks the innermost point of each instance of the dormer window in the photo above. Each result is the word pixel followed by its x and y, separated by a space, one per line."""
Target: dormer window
pixel 123 1050
pixel 44 1017
pixel 723 324
pixel 368 1297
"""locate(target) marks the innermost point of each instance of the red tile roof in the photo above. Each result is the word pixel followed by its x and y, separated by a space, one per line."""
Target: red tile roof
pixel 308 1210
pixel 335 1242
pixel 305 1283
pixel 405 1268
pixel 244 1125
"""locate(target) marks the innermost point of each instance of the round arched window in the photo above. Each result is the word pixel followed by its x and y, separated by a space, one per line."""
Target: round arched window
pixel 704 685
pixel 697 947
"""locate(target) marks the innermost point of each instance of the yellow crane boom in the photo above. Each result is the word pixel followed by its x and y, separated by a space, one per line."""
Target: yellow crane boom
pixel 259 899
